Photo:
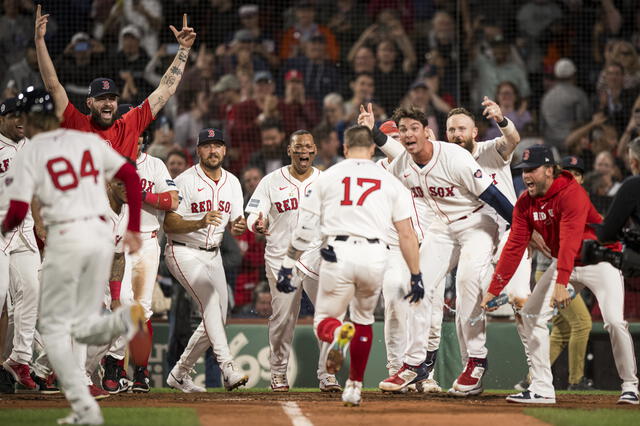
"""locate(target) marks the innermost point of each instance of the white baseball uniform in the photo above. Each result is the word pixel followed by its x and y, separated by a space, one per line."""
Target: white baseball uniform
pixel 461 234
pixel 19 263
pixel 194 258
pixel 355 203
pixel 67 171
pixel 279 197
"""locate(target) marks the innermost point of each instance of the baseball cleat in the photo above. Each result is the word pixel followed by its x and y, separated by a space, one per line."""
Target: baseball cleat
pixel 351 396
pixel 523 384
pixel 183 382
pixel 140 380
pixel 232 378
pixel 88 416
pixel 329 383
pixel 406 376
pixel 20 373
pixel 528 397
pixel 98 393
pixel 46 386
pixel 338 349
pixel 470 380
pixel 583 385
pixel 428 386
pixel 629 397
pixel 279 382
pixel 110 381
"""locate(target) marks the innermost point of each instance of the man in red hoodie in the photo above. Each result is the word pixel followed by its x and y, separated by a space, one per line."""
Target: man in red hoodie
pixel 558 208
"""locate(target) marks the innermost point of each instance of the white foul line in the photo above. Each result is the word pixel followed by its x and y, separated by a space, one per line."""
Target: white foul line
pixel 292 410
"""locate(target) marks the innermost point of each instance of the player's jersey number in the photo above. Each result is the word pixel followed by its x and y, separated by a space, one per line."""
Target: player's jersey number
pixel 346 199
pixel 64 177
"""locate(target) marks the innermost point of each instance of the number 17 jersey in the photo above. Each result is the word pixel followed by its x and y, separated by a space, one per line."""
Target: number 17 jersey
pixel 67 170
pixel 358 198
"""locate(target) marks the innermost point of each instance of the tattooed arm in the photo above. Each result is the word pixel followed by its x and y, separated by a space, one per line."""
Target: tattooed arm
pixel 172 77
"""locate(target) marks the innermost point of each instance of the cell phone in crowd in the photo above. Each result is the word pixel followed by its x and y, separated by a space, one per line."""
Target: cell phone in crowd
pixel 172 48
pixel 81 46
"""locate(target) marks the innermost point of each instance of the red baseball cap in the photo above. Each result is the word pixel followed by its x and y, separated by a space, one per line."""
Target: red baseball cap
pixel 389 127
pixel 293 74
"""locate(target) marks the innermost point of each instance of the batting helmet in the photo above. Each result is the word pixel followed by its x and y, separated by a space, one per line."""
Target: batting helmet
pixel 35 100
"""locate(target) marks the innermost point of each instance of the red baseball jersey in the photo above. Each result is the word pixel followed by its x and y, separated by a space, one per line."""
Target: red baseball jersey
pixel 122 135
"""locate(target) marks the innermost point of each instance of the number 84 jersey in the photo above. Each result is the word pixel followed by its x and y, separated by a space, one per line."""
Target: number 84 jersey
pixel 67 170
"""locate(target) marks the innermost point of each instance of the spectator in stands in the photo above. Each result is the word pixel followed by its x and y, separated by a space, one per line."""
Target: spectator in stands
pixel 631 132
pixel 402 9
pixel 362 59
pixel 22 74
pixel 189 123
pixel 199 78
pixel 496 66
pixel 589 140
pixel 623 53
pixel 512 106
pixel 362 90
pixel 347 21
pixel 215 21
pixel 597 186
pixel 145 15
pixel 250 178
pixel 129 64
pixel 332 110
pixel 296 110
pixel 263 42
pixel 16 30
pixel 82 59
pixel 613 99
pixel 303 29
pixel 422 97
pixel 606 166
pixel 440 73
pixel 241 52
pixel 320 74
pixel 163 139
pixel 244 127
pixel 176 163
pixel 261 305
pixel 227 93
pixel 271 155
pixel 391 80
pixel 563 107
pixel 326 139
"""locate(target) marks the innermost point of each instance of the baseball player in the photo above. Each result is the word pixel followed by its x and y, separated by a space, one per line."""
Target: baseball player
pixel 211 198
pixel 456 190
pixel 19 257
pixel 102 99
pixel 353 203
pixel 159 194
pixel 273 210
pixel 558 208
pixel 67 170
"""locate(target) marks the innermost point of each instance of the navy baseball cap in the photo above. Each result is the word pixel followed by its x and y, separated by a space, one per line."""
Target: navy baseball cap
pixel 210 134
pixel 35 100
pixel 8 106
pixel 536 156
pixel 572 162
pixel 102 86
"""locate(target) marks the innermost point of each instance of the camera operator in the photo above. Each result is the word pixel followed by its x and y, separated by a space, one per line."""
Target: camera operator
pixel 626 204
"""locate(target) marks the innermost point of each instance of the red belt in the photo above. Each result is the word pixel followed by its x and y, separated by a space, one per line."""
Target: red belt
pixel 466 216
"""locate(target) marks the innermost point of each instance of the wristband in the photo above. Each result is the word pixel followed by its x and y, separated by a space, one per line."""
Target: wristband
pixel 504 122
pixel 378 137
pixel 161 201
pixel 114 289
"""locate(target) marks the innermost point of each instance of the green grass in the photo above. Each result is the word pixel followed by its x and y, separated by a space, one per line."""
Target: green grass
pixel 112 416
pixel 571 417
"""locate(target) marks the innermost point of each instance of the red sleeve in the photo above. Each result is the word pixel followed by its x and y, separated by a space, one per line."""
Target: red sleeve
pixel 127 174
pixel 15 215
pixel 74 119
pixel 511 255
pixel 139 118
pixel 574 208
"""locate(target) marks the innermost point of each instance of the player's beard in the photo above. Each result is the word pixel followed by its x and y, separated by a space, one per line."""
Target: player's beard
pixel 465 143
pixel 97 118
pixel 212 162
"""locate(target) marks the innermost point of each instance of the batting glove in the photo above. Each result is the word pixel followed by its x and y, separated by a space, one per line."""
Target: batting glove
pixel 284 280
pixel 417 289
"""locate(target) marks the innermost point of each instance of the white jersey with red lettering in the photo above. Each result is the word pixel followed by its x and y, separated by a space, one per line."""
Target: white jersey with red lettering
pixel 119 226
pixel 67 170
pixel 154 178
pixel 357 198
pixel 278 197
pixel 24 233
pixel 450 182
pixel 199 195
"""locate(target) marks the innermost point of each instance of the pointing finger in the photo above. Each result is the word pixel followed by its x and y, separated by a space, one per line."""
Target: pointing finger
pixel 173 29
pixel 184 20
pixel 370 108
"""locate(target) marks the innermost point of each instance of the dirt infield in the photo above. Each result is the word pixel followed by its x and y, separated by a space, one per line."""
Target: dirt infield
pixel 316 408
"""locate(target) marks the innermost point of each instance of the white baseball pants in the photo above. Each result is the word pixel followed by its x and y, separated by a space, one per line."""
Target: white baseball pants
pixel 144 271
pixel 396 284
pixel 202 275
pixel 74 272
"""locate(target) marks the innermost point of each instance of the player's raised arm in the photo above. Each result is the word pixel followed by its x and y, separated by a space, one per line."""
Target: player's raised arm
pixel 169 82
pixel 510 136
pixel 47 70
